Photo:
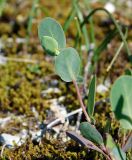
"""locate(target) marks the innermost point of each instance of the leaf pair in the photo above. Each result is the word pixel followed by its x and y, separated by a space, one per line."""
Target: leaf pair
pixel 52 38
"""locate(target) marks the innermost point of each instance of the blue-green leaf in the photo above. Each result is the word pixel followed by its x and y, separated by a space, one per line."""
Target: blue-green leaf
pixel 121 101
pixel 50 45
pixel 91 133
pixel 91 97
pixel 51 28
pixel 67 64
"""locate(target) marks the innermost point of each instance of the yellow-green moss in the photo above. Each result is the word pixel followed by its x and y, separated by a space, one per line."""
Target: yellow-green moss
pixel 49 150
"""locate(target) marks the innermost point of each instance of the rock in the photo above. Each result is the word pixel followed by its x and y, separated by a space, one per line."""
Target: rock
pixel 50 90
pixel 9 140
pixel 110 7
pixel 4 121
pixel 101 89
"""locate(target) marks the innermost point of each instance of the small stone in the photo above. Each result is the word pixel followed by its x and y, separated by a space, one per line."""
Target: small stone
pixel 110 7
pixel 9 139
pixel 101 88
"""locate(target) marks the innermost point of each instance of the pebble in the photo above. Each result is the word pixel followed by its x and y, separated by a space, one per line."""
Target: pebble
pixel 10 140
pixel 110 7
pixel 4 121
pixel 101 88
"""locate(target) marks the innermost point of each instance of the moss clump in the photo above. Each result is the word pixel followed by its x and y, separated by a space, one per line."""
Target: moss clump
pixel 20 89
pixel 47 149
pixel 5 28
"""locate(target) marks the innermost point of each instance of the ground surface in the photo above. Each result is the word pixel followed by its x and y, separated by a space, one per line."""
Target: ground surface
pixel 32 95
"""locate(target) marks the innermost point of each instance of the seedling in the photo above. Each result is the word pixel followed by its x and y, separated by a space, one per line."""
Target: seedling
pixel 67 66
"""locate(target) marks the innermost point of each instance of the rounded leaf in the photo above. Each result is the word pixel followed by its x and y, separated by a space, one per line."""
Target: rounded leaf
pixel 51 28
pixel 67 64
pixel 50 45
pixel 121 101
pixel 91 133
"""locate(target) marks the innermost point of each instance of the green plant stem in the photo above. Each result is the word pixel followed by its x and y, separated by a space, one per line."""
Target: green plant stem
pixel 92 33
pixel 115 23
pixel 30 21
pixel 44 10
pixel 81 102
pixel 83 28
pixel 2 5
pixel 78 36
pixel 87 69
pixel 78 27
pixel 69 19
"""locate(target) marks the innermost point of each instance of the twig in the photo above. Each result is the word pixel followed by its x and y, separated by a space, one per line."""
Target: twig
pixel 78 120
pixel 58 120
pixel 81 102
pixel 2 150
pixel 19 60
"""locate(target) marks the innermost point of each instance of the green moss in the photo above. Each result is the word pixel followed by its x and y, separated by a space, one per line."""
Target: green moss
pixel 5 28
pixel 49 150
pixel 20 88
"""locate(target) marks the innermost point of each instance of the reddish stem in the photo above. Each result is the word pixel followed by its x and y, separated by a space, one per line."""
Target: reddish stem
pixel 81 102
